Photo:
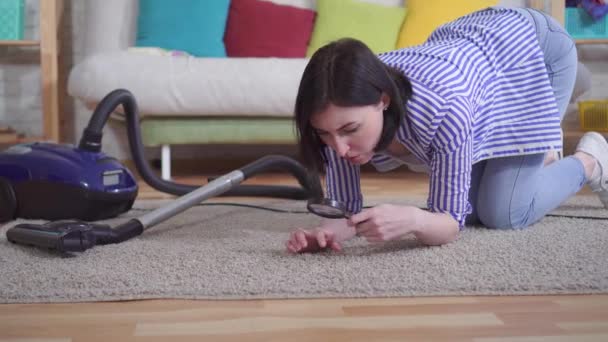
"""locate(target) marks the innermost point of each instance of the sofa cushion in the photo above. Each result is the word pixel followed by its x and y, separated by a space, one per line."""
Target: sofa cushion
pixel 424 16
pixel 189 86
pixel 263 29
pixel 375 25
pixel 194 26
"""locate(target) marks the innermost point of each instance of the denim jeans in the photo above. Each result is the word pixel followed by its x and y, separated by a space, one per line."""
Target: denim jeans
pixel 517 191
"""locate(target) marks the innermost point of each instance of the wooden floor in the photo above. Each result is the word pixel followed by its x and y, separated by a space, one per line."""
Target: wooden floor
pixel 522 318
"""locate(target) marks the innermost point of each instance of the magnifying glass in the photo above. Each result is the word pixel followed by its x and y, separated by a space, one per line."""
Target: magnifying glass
pixel 328 208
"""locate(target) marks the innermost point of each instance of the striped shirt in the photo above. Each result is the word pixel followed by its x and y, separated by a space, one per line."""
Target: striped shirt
pixel 480 91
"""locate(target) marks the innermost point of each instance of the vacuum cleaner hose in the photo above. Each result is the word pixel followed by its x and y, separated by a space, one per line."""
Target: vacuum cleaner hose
pixel 92 136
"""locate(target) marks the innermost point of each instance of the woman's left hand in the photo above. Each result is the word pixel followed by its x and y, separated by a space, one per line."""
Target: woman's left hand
pixel 385 222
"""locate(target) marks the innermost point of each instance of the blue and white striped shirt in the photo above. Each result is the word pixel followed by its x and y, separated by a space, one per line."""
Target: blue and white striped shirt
pixel 480 91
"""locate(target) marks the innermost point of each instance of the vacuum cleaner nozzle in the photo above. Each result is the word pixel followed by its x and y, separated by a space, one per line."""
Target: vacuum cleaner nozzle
pixel 72 235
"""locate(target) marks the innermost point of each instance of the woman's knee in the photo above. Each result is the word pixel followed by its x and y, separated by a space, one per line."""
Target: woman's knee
pixel 505 217
pixel 494 222
pixel 493 215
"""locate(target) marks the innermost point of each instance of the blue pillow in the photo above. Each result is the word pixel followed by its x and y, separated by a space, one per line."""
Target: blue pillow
pixel 194 26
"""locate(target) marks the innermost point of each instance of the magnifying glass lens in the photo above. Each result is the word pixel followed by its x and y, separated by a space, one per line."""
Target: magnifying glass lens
pixel 326 210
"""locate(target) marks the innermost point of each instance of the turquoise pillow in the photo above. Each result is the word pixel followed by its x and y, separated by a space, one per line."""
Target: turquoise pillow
pixel 194 26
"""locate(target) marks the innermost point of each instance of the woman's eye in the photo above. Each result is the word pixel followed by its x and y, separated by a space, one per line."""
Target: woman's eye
pixel 351 130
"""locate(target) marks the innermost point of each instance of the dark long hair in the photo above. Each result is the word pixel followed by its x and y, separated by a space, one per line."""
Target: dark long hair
pixel 347 73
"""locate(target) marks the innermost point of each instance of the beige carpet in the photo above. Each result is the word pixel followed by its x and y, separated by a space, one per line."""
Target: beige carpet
pixel 215 252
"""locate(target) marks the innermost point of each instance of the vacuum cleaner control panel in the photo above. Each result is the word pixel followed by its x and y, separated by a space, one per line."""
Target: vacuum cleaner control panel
pixel 112 177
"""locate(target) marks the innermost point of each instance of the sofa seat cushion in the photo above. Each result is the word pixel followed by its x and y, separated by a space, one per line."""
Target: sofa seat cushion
pixel 158 131
pixel 190 86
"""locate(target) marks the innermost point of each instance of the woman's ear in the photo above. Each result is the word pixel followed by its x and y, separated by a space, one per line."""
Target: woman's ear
pixel 385 101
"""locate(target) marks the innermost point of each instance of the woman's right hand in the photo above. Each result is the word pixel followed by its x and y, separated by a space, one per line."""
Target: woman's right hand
pixel 329 234
pixel 313 240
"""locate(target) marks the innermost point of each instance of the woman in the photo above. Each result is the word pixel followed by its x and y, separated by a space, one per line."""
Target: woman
pixel 479 104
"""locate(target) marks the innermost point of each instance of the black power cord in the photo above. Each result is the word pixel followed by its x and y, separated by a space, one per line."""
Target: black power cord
pixel 578 217
pixel 259 207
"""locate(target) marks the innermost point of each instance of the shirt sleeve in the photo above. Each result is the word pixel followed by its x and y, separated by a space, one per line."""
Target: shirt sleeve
pixel 451 164
pixel 343 181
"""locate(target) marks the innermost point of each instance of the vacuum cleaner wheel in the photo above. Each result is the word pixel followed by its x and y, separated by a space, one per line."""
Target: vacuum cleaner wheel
pixel 8 201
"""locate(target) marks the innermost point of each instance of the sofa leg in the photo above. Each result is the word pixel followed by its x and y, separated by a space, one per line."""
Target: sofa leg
pixel 165 162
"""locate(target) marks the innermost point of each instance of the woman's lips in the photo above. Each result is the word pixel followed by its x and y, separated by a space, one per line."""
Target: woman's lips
pixel 355 159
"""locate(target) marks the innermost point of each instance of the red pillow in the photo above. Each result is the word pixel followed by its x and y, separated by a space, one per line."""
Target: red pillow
pixel 258 28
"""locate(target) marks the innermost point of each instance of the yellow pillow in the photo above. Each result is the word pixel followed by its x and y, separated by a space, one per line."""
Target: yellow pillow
pixel 424 16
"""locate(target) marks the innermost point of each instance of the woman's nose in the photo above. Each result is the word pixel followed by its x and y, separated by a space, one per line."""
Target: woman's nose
pixel 341 146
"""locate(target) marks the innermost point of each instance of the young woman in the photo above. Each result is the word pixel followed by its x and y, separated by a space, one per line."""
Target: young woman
pixel 479 105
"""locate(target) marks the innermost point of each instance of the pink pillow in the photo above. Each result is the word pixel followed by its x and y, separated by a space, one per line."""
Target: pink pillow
pixel 264 29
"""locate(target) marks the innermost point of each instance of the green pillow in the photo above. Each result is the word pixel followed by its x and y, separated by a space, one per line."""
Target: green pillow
pixel 376 25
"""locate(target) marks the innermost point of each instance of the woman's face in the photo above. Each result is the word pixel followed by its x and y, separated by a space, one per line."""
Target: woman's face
pixel 353 132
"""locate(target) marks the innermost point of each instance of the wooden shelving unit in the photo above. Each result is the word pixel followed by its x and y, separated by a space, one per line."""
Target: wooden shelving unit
pixel 591 41
pixel 19 42
pixel 48 46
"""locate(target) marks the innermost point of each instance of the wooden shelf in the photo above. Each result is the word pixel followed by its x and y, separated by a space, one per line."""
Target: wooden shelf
pixel 20 140
pixel 8 137
pixel 48 46
pixel 591 41
pixel 19 43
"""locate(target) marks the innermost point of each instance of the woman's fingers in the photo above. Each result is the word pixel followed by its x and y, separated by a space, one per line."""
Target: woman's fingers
pixel 301 241
pixel 301 238
pixel 326 240
pixel 368 231
pixel 321 240
pixel 365 227
pixel 378 235
pixel 294 245
pixel 291 247
pixel 335 246
pixel 296 242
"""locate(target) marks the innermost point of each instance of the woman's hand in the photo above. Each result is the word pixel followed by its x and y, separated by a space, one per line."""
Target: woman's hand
pixel 385 222
pixel 329 234
pixel 388 222
pixel 311 241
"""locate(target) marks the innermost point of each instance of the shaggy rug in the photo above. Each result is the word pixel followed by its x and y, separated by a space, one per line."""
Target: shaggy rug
pixel 232 252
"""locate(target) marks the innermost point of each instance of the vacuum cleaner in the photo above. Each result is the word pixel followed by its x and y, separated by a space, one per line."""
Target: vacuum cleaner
pixel 68 236
pixel 74 185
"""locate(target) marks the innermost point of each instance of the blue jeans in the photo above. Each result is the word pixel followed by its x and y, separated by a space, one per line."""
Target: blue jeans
pixel 515 192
